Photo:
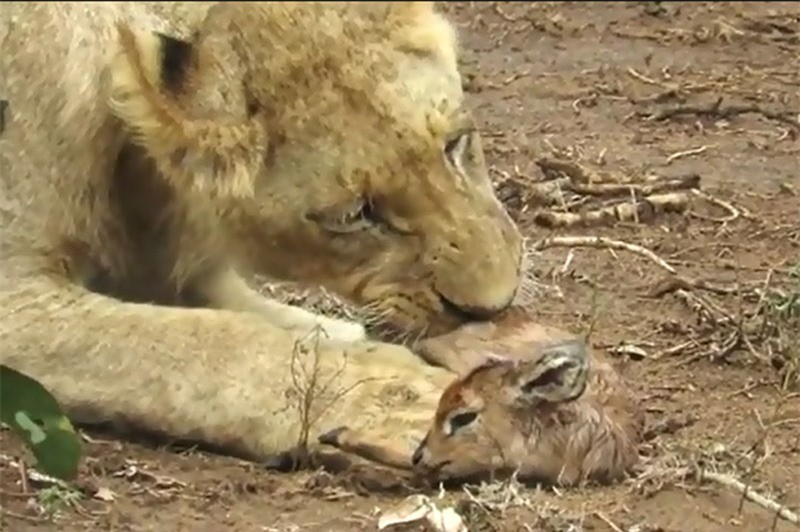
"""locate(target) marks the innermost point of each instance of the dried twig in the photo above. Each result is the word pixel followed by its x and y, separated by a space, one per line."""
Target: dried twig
pixel 600 515
pixel 555 168
pixel 669 425
pixel 734 213
pixel 687 153
pixel 716 110
pixel 680 470
pixel 641 77
pixel 133 470
pixel 23 476
pixel 705 308
pixel 733 341
pixel 761 500
pixel 704 313
pixel 314 389
pixel 21 517
pixel 674 350
pixel 602 242
pixel 674 283
pixel 15 495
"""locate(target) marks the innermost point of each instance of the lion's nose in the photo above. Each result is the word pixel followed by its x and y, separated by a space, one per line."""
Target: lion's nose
pixel 472 312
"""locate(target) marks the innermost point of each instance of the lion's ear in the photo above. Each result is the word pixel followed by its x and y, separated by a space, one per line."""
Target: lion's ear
pixel 409 11
pixel 418 29
pixel 148 75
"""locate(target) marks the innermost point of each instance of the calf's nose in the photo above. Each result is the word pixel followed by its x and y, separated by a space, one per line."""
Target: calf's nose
pixel 416 458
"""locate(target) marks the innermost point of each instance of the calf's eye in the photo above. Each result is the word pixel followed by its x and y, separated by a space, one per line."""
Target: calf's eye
pixel 462 420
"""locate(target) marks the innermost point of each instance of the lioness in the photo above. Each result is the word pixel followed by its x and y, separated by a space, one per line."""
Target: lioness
pixel 142 174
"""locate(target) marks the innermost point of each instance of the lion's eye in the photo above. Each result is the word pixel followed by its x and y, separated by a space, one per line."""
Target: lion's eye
pixel 361 216
pixel 455 148
pixel 460 421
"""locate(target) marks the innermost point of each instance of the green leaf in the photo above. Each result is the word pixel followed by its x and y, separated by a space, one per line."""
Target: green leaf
pixel 34 414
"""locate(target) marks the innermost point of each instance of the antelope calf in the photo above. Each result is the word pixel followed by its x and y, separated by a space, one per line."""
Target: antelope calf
pixel 549 410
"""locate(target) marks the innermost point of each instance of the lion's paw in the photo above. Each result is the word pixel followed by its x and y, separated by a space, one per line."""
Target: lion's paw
pixel 333 437
pixel 341 330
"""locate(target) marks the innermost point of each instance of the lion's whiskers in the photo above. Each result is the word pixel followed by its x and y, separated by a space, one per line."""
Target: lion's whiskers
pixel 530 287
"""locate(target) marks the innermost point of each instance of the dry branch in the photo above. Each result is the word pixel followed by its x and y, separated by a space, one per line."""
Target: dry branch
pixel 640 189
pixel 571 185
pixel 716 110
pixel 643 210
pixel 311 394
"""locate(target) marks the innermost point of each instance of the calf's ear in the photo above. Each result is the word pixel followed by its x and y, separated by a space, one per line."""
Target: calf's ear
pixel 558 375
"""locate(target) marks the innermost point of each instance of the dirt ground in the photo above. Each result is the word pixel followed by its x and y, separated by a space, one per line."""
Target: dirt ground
pixel 715 364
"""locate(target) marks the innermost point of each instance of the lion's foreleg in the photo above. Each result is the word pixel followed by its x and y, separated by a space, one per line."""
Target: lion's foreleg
pixel 186 374
pixel 384 448
pixel 227 290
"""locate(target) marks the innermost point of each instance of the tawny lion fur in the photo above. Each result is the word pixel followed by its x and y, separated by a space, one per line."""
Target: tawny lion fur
pixel 143 175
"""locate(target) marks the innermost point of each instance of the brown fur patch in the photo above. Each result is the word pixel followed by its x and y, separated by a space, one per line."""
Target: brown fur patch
pixel 452 397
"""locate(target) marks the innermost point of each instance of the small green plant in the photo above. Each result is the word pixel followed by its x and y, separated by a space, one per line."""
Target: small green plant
pixel 57 497
pixel 598 304
pixel 36 417
pixel 787 306
pixel 782 325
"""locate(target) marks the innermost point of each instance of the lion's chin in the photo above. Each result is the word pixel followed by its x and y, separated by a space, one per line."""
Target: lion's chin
pixel 402 329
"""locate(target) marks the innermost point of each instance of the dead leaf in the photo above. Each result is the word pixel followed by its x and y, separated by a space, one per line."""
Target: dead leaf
pixel 104 494
pixel 633 351
pixel 419 507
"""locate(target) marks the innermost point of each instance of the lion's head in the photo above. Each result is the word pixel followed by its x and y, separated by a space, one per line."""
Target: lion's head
pixel 335 140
